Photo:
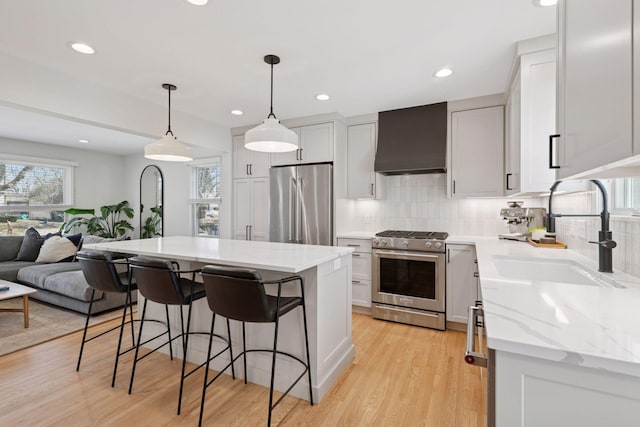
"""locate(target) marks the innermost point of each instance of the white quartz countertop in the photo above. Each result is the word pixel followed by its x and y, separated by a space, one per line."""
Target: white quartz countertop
pixel 284 257
pixel 591 326
pixel 356 235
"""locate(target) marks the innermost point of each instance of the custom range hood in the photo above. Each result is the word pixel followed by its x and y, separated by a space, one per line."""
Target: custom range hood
pixel 412 140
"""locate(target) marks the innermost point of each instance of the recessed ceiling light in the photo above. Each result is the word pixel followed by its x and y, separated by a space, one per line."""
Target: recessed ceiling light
pixel 545 3
pixel 198 2
pixel 322 97
pixel 84 141
pixel 443 72
pixel 237 112
pixel 82 48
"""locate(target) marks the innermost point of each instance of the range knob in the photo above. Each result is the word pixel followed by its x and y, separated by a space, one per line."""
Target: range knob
pixel 405 243
pixel 438 245
pixel 384 242
pixel 428 244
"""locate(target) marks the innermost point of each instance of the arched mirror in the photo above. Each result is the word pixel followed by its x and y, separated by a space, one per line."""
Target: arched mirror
pixel 151 201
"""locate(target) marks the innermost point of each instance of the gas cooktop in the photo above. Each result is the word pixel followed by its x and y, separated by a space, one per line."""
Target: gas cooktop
pixel 421 241
pixel 402 234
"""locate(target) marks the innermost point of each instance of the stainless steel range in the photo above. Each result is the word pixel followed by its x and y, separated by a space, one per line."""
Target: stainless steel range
pixel 409 277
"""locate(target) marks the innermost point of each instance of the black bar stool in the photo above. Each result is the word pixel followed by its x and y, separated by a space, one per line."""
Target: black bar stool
pixel 239 294
pixel 100 272
pixel 159 281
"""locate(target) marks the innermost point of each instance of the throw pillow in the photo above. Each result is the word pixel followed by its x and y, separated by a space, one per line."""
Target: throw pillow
pixel 76 239
pixel 30 247
pixel 56 248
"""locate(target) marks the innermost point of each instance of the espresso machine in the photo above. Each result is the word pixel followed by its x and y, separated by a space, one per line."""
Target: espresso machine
pixel 521 220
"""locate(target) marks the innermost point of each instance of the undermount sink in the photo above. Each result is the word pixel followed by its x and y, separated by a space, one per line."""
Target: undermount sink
pixel 551 270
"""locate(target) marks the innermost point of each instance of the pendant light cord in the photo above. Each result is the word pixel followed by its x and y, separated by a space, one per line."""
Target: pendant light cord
pixel 271 108
pixel 169 129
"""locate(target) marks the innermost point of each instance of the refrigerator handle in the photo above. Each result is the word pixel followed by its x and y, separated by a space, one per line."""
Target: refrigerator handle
pixel 298 209
pixel 294 220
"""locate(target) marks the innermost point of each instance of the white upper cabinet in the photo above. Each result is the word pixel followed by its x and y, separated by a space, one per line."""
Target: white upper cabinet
pixel 477 152
pixel 361 153
pixel 248 163
pixel 595 85
pixel 316 145
pixel 531 121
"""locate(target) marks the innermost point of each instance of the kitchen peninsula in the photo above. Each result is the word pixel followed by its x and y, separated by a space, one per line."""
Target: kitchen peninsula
pixel 326 271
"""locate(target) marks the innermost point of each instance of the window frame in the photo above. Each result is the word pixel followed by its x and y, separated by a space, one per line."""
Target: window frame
pixel 67 180
pixel 614 199
pixel 194 201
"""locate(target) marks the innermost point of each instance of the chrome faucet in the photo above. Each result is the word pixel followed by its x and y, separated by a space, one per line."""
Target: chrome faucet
pixel 605 242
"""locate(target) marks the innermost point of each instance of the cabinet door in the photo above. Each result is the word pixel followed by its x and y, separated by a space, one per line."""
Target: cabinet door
pixel 636 76
pixel 595 84
pixel 259 164
pixel 288 158
pixel 316 143
pixel 241 208
pixel 462 285
pixel 477 146
pixel 361 152
pixel 259 209
pixel 512 144
pixel 241 158
pixel 538 119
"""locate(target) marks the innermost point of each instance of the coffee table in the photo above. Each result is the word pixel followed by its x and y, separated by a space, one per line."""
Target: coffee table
pixel 15 291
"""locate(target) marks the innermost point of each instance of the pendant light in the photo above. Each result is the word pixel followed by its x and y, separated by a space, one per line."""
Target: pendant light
pixel 168 148
pixel 270 136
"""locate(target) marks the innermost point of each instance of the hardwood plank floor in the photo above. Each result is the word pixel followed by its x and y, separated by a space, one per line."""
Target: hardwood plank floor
pixel 401 376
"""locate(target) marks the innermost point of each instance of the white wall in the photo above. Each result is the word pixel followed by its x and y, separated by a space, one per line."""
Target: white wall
pixel 98 178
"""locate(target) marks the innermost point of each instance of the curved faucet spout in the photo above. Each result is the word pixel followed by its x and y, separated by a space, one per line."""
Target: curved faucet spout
pixel 605 242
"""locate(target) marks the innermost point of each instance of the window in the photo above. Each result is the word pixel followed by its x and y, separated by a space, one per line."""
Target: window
pixel 33 193
pixel 626 196
pixel 206 197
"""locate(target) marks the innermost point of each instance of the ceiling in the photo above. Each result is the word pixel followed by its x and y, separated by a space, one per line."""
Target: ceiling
pixel 368 55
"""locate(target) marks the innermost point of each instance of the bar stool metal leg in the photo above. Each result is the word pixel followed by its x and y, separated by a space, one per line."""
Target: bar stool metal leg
pixel 244 352
pixel 124 317
pixel 166 310
pixel 185 346
pixel 86 325
pixel 206 370
pixel 135 357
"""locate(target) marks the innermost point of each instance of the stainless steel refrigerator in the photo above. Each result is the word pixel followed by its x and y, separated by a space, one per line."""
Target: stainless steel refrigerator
pixel 301 204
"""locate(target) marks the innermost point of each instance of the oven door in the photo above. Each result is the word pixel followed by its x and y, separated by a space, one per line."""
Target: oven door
pixel 409 279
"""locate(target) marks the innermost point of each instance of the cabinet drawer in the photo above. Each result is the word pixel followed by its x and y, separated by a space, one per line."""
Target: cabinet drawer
pixel 361 266
pixel 360 245
pixel 361 292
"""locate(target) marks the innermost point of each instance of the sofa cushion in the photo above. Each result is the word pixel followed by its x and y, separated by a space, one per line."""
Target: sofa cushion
pixel 31 244
pixel 9 247
pixel 9 269
pixel 58 248
pixel 71 284
pixel 35 275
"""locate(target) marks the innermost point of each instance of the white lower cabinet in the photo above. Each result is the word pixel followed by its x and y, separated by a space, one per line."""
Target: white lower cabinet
pixel 251 209
pixel 361 270
pixel 531 391
pixel 462 281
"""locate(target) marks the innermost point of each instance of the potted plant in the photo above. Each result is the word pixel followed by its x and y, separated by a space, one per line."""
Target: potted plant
pixel 110 224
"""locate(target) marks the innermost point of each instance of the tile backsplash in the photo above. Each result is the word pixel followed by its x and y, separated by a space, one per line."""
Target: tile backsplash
pixel 419 202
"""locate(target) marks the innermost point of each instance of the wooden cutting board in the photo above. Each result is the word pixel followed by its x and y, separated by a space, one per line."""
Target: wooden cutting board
pixel 556 245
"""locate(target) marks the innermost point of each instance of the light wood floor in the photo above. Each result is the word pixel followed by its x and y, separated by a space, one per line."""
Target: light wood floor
pixel 401 376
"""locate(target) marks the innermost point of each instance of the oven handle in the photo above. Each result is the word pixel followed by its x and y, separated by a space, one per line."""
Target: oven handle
pixel 470 355
pixel 422 313
pixel 402 254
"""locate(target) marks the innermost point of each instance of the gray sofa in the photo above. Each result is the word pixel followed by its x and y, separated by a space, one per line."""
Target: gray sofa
pixel 61 283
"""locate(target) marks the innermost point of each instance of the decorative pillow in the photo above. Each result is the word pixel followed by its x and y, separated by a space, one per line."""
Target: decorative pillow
pixel 58 248
pixel 31 244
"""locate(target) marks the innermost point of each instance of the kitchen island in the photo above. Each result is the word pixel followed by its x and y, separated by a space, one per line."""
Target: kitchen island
pixel 563 339
pixel 326 271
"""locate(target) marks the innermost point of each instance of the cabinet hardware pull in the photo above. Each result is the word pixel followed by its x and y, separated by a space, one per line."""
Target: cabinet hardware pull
pixel 352 245
pixel 508 175
pixel 297 154
pixel 355 255
pixel 246 232
pixel 448 256
pixel 300 153
pixel 355 282
pixel 251 232
pixel 247 168
pixel 372 193
pixel 476 274
pixel 454 186
pixel 551 138
pixel 250 169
